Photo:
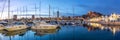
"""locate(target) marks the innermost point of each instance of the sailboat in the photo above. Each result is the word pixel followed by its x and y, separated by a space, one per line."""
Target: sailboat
pixel 17 25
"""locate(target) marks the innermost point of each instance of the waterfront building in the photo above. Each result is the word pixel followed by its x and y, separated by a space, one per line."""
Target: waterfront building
pixel 112 17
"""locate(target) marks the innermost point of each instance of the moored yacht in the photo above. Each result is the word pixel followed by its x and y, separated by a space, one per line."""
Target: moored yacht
pixel 16 26
pixel 44 25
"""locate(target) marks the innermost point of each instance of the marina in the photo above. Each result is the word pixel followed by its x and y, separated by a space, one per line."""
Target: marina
pixel 59 20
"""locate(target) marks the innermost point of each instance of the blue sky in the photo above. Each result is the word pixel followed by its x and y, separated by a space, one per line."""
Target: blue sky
pixel 64 6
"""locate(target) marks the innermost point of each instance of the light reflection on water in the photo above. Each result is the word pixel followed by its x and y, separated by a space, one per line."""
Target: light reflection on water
pixel 65 33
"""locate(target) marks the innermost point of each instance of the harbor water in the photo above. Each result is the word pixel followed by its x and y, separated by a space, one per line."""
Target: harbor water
pixel 67 32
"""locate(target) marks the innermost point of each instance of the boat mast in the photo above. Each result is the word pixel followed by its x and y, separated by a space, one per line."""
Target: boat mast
pixel 23 12
pixel 20 14
pixel 54 14
pixel 8 8
pixel 58 15
pixel 26 11
pixel 3 8
pixel 35 11
pixel 73 13
pixel 8 11
pixel 12 13
pixel 17 11
pixel 49 12
pixel 40 10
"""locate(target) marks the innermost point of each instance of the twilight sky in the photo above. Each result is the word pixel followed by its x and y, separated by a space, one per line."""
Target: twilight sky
pixel 23 7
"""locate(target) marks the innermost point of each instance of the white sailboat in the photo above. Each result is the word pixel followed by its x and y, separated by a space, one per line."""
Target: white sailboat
pixel 15 25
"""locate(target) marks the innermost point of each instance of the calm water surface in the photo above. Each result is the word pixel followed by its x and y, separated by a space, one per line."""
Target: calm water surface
pixel 65 33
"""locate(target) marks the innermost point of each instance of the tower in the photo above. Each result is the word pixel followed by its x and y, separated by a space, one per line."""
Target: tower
pixel 15 17
pixel 33 17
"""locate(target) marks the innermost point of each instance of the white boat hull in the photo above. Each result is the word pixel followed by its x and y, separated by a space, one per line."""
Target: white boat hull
pixel 15 28
pixel 1 27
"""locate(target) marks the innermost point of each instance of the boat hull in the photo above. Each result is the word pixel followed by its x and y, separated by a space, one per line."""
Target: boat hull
pixel 1 27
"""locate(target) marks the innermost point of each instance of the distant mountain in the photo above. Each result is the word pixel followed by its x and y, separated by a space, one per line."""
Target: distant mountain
pixel 92 14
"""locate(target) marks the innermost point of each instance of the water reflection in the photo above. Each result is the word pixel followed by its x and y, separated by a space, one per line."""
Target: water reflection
pixel 13 33
pixel 67 32
pixel 43 32
pixel 27 34
pixel 22 32
pixel 97 26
